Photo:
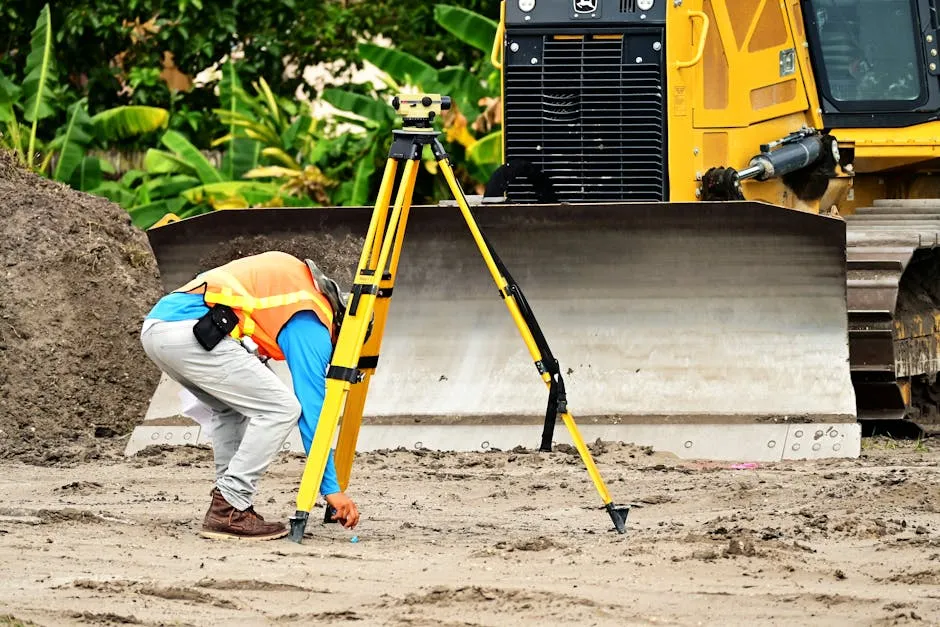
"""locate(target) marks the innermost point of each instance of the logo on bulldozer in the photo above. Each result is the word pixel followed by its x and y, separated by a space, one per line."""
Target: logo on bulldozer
pixel 585 6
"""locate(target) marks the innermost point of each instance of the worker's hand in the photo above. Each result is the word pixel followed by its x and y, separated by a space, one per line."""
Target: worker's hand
pixel 346 511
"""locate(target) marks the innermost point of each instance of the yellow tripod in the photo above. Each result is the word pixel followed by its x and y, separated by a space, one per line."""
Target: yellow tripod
pixel 356 356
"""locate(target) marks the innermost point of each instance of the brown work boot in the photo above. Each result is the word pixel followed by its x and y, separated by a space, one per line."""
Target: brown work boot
pixel 225 522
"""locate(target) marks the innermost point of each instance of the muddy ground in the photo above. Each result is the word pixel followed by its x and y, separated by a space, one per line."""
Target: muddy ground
pixel 501 538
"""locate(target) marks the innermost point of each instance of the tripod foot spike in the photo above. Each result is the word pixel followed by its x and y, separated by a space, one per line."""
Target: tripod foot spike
pixel 298 523
pixel 619 516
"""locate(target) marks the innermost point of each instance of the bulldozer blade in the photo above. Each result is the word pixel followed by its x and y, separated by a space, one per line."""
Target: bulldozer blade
pixel 715 330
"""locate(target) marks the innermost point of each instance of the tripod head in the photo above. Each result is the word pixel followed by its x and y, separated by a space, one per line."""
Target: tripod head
pixel 419 110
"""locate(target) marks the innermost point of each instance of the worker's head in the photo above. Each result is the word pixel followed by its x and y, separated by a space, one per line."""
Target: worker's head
pixel 338 299
pixel 330 290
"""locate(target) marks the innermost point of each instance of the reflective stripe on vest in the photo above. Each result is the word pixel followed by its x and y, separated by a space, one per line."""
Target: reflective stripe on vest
pixel 247 304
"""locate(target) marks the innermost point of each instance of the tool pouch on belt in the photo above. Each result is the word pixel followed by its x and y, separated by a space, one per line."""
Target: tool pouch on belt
pixel 214 326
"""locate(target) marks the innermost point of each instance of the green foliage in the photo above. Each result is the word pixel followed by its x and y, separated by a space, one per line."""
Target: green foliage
pixel 242 153
pixel 403 67
pixel 485 155
pixel 9 95
pixel 469 27
pixel 372 110
pixel 40 72
pixel 36 100
pixel 174 181
pixel 36 89
pixel 273 151
pixel 128 121
pixel 71 141
pixel 284 134
pixel 467 91
pixel 181 179
pixel 368 149
pixel 189 158
pixel 114 51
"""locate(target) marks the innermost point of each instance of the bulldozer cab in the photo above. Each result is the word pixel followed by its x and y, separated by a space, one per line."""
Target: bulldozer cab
pixel 873 57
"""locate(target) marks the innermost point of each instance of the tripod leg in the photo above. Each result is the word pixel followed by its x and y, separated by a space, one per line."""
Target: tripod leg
pixel 617 515
pixel 369 257
pixel 355 401
pixel 343 371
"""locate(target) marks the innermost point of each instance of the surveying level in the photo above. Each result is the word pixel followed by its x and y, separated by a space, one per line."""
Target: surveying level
pixel 418 111
pixel 356 356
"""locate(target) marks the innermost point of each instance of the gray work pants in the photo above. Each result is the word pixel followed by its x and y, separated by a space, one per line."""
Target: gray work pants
pixel 253 410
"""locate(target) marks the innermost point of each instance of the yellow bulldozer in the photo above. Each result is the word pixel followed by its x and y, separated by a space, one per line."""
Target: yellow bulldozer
pixel 723 213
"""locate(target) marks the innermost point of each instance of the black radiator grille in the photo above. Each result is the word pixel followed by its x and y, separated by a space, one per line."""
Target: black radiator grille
pixel 591 119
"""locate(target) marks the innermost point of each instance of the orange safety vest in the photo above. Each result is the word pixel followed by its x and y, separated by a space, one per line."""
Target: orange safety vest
pixel 265 291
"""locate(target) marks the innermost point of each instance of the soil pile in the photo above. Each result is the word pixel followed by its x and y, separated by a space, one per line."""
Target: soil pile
pixel 76 280
pixel 337 256
pixel 919 291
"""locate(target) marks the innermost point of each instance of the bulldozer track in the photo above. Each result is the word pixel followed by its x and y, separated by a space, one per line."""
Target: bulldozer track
pixel 894 334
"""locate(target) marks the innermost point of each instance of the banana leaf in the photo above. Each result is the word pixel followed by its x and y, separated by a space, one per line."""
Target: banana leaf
pixel 297 133
pixel 232 95
pixel 401 66
pixel 283 157
pixel 229 189
pixel 163 162
pixel 145 216
pixel 190 155
pixel 128 121
pixel 464 88
pixel 40 74
pixel 244 125
pixel 132 176
pixel 88 175
pixel 193 210
pixel 273 110
pixel 9 95
pixel 242 154
pixel 487 150
pixel 170 186
pixel 116 192
pixel 72 142
pixel 273 171
pixel 362 183
pixel 360 105
pixel 364 124
pixel 469 27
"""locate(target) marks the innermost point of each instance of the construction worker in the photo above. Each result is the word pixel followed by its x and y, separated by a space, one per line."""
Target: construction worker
pixel 212 335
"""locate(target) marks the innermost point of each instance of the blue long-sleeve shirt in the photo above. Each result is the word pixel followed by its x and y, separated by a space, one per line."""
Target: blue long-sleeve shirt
pixel 307 347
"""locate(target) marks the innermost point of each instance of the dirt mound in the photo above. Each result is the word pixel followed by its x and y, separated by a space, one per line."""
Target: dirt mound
pixel 919 291
pixel 77 280
pixel 338 257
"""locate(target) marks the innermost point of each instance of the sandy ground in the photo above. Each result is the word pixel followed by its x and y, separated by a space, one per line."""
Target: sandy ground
pixel 502 538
